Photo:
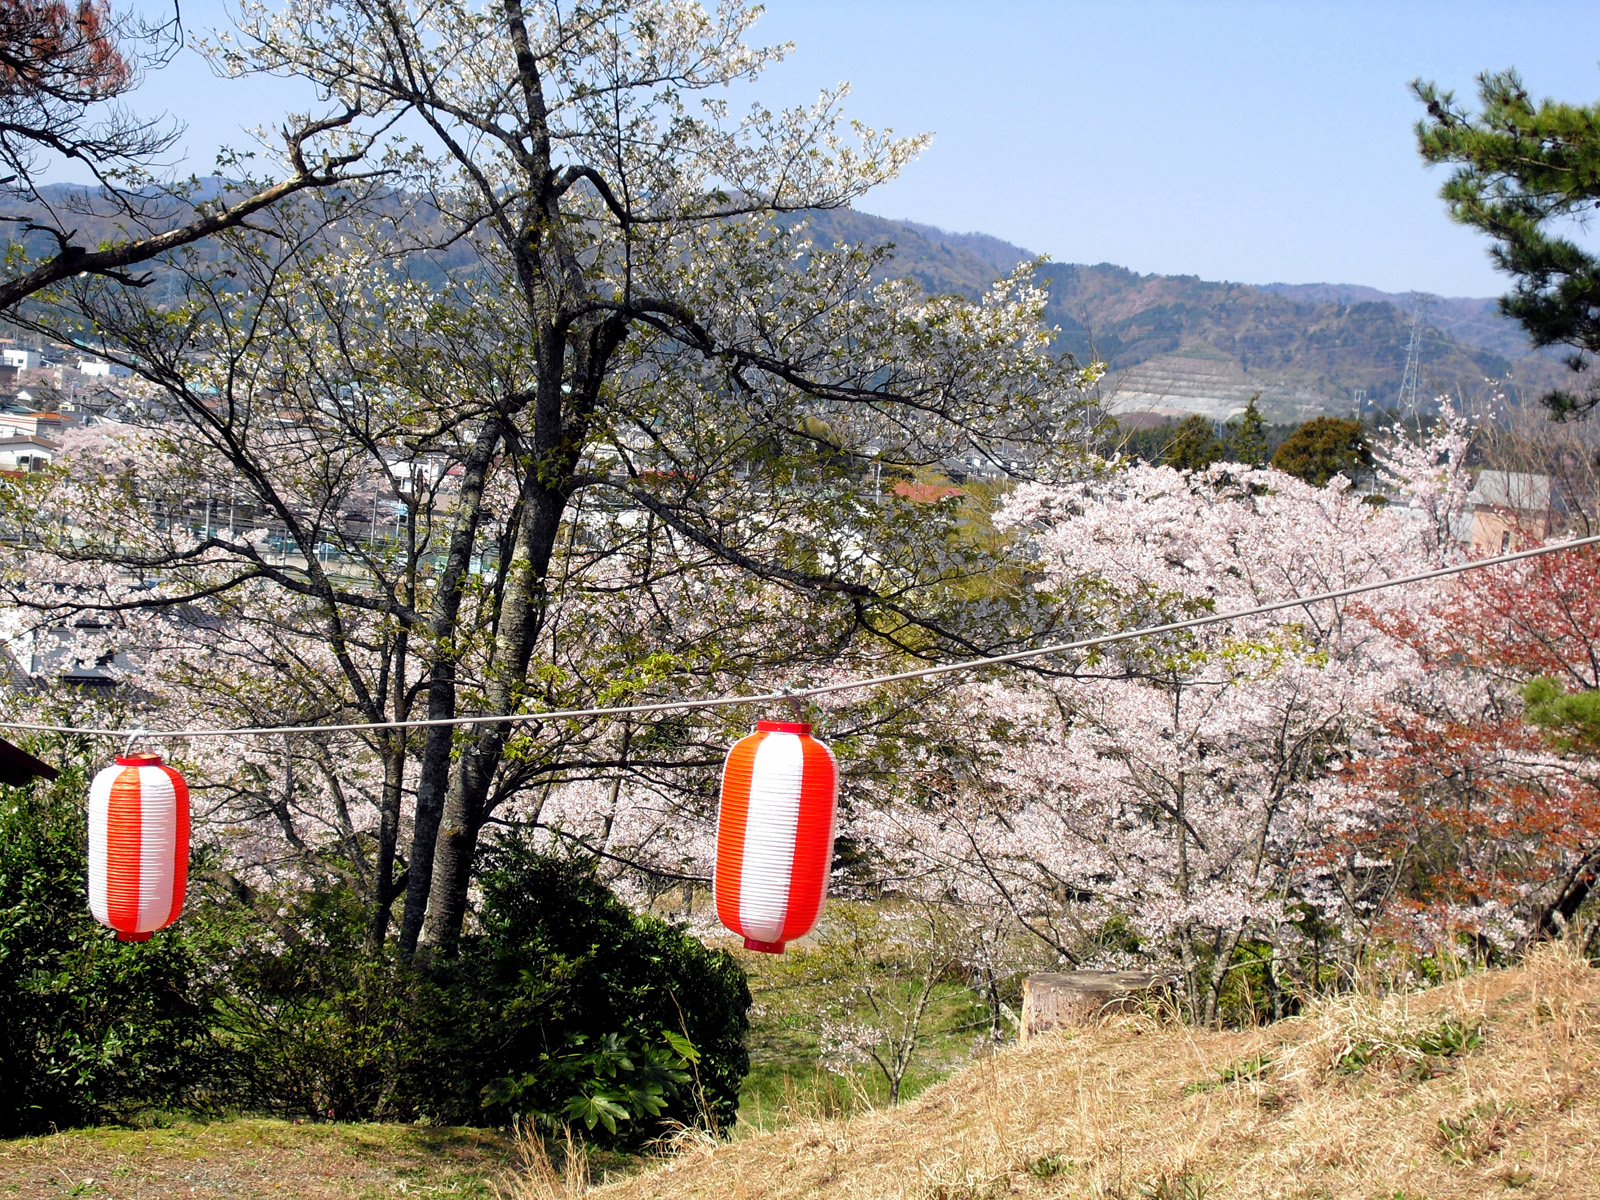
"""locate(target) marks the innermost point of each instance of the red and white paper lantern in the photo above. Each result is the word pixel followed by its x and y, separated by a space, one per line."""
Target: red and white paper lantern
pixel 138 846
pixel 775 825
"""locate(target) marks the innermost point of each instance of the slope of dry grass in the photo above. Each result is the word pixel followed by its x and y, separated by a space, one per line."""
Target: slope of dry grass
pixel 1486 1087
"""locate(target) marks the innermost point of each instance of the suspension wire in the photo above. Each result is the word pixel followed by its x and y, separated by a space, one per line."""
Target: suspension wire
pixel 787 694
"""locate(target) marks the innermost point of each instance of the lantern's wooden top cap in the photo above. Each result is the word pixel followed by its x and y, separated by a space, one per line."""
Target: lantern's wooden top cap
pixel 782 727
pixel 138 760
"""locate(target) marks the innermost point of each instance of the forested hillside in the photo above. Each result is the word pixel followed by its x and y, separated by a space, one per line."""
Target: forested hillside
pixel 1175 341
pixel 1477 321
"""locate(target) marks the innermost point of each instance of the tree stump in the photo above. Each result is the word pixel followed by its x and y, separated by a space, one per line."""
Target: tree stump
pixel 1059 1000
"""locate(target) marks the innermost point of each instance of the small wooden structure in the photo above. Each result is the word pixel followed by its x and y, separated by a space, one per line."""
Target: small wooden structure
pixel 1060 999
pixel 18 768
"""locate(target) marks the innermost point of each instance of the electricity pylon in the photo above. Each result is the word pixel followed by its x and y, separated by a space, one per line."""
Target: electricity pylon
pixel 1411 380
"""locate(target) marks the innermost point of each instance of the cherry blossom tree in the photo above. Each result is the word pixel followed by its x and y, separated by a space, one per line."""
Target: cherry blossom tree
pixel 883 970
pixel 629 431
pixel 1161 801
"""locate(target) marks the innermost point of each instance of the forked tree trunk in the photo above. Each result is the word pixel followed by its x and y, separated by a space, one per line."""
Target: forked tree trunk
pixel 472 775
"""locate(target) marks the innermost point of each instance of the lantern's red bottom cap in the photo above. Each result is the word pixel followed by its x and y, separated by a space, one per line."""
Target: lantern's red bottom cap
pixel 764 947
pixel 132 937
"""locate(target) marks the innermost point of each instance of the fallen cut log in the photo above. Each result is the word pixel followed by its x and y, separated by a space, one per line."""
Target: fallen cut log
pixel 1061 999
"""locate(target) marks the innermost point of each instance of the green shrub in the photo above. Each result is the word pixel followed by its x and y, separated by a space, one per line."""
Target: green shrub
pixel 93 1028
pixel 562 1004
pixel 322 1027
pixel 560 964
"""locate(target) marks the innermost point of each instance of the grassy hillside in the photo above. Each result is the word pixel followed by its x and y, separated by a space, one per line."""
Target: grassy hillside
pixel 1484 1087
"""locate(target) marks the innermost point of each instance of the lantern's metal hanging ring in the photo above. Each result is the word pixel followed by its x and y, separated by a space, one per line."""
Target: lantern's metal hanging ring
pixel 133 736
pixel 787 691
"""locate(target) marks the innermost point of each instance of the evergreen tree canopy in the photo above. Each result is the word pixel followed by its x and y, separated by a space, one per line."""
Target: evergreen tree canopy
pixel 1194 446
pixel 1323 448
pixel 1521 170
pixel 1247 436
pixel 1571 720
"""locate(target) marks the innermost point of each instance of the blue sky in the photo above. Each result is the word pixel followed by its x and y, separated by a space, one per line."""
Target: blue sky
pixel 1250 141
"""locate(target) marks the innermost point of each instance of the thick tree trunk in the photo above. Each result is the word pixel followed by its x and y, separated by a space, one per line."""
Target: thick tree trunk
pixel 1221 962
pixel 1556 918
pixel 433 777
pixel 466 804
pixel 573 359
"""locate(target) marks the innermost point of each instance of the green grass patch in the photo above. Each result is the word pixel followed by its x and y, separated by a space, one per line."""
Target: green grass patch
pixel 1240 1071
pixel 249 1157
pixel 1423 1054
pixel 794 995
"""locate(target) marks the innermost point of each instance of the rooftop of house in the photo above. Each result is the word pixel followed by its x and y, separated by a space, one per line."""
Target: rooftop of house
pixel 18 767
pixel 1515 490
pixel 925 493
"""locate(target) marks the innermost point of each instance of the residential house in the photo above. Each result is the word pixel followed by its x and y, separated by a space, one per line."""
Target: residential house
pixel 1504 506
pixel 74 654
pixel 24 453
pixel 34 424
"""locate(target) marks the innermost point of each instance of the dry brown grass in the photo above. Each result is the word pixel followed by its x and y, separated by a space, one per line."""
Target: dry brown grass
pixel 537 1176
pixel 1485 1087
pixel 249 1159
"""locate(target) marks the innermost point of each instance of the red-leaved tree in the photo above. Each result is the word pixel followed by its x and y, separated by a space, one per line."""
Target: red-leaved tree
pixel 1483 809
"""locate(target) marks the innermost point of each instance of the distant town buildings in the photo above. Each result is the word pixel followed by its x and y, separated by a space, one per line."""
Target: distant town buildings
pixel 26 423
pixel 46 391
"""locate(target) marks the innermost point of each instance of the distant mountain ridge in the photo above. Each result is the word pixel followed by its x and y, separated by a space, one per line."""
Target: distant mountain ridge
pixel 1182 344
pixel 1474 320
